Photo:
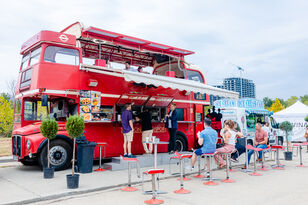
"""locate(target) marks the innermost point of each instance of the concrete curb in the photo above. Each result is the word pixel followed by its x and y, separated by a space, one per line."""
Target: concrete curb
pixel 75 193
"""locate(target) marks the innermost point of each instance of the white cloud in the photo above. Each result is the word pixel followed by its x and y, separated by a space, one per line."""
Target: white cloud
pixel 264 37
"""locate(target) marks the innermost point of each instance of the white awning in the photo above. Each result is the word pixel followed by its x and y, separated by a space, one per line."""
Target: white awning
pixel 177 83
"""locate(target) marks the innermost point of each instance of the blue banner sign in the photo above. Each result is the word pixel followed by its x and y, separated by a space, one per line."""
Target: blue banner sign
pixel 247 103
pixel 200 96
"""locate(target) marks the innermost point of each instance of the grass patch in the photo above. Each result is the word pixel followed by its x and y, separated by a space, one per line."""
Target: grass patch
pixel 5 146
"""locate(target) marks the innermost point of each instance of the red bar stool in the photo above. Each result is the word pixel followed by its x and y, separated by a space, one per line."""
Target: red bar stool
pixel 228 180
pixel 129 187
pixel 300 153
pixel 255 150
pixel 182 157
pixel 153 172
pixel 101 145
pixel 277 166
pixel 199 175
pixel 177 157
pixel 263 168
pixel 210 182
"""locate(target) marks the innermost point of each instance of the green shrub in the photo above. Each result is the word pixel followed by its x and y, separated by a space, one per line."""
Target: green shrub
pixel 306 118
pixel 75 126
pixel 49 128
pixel 286 126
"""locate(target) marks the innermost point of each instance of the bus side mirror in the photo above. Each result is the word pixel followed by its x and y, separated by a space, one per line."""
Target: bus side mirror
pixel 44 100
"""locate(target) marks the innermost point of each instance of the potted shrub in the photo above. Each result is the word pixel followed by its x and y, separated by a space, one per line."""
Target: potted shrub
pixel 49 129
pixel 74 127
pixel 287 127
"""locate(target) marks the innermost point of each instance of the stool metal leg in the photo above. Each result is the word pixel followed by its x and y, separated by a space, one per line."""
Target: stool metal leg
pixel 246 159
pixel 154 199
pixel 199 168
pixel 210 182
pixel 262 163
pixel 129 187
pixel 301 157
pixel 255 173
pixel 100 169
pixel 277 165
pixel 181 190
pixel 228 180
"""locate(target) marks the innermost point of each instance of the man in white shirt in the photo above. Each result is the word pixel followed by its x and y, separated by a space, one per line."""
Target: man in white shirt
pixel 129 68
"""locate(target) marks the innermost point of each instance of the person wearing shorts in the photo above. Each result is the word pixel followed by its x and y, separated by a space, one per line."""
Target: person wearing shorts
pixel 127 130
pixel 208 139
pixel 146 126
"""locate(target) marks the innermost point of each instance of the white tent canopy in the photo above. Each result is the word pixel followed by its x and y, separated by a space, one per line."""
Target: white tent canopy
pixel 179 84
pixel 295 114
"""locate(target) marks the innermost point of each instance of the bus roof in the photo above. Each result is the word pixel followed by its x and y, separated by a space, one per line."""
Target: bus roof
pixel 125 40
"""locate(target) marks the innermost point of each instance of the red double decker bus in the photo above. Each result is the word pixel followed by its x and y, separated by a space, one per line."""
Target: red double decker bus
pixel 77 71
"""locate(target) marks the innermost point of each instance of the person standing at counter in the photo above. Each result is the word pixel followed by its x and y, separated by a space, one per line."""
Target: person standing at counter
pixel 146 125
pixel 128 130
pixel 171 122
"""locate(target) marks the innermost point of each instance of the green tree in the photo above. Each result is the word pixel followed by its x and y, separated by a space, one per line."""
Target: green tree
pixel 267 102
pixel 74 126
pixel 291 100
pixel 276 106
pixel 304 99
pixel 6 117
pixel 283 102
pixel 49 129
pixel 287 127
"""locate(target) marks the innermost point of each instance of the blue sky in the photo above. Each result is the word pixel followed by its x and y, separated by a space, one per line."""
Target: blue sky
pixel 269 39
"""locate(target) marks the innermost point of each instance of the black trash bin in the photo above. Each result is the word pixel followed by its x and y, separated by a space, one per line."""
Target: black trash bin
pixel 85 155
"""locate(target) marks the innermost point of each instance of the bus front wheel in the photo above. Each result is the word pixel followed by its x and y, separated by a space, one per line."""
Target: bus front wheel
pixel 181 142
pixel 60 154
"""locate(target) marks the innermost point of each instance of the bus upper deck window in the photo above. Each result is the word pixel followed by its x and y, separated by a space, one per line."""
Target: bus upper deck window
pixel 25 62
pixel 60 55
pixel 35 56
pixel 194 75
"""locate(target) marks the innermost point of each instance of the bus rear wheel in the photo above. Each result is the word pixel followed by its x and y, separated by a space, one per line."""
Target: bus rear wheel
pixel 181 143
pixel 60 154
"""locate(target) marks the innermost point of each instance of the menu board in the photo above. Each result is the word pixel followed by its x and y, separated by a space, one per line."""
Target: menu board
pixel 90 102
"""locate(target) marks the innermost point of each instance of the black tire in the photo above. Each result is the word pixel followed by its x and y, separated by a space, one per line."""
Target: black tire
pixel 28 162
pixel 181 142
pixel 60 152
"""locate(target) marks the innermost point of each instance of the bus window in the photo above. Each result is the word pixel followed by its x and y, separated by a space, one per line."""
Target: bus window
pixel 17 111
pixel 194 75
pixel 26 78
pixel 180 114
pixel 34 111
pixel 25 62
pixel 35 56
pixel 61 55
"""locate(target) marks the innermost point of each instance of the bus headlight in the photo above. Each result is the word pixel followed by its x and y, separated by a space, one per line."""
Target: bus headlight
pixel 28 144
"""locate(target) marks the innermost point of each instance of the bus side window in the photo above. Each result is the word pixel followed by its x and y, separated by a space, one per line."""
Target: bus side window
pixel 180 113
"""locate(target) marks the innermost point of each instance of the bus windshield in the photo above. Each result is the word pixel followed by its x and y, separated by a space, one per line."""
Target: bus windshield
pixel 34 111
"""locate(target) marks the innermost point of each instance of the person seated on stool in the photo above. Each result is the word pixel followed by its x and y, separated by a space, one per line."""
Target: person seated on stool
pixel 208 139
pixel 239 147
pixel 229 137
pixel 260 141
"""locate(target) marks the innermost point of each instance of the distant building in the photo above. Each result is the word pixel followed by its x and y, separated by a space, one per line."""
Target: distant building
pixel 246 88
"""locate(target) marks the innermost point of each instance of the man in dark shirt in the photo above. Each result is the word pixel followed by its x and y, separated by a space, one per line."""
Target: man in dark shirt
pixel 146 125
pixel 128 130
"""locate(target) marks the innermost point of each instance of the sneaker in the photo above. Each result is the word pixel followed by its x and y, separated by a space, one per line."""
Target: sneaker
pixel 234 160
pixel 131 156
pixel 207 174
pixel 189 168
pixel 244 167
pixel 125 155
